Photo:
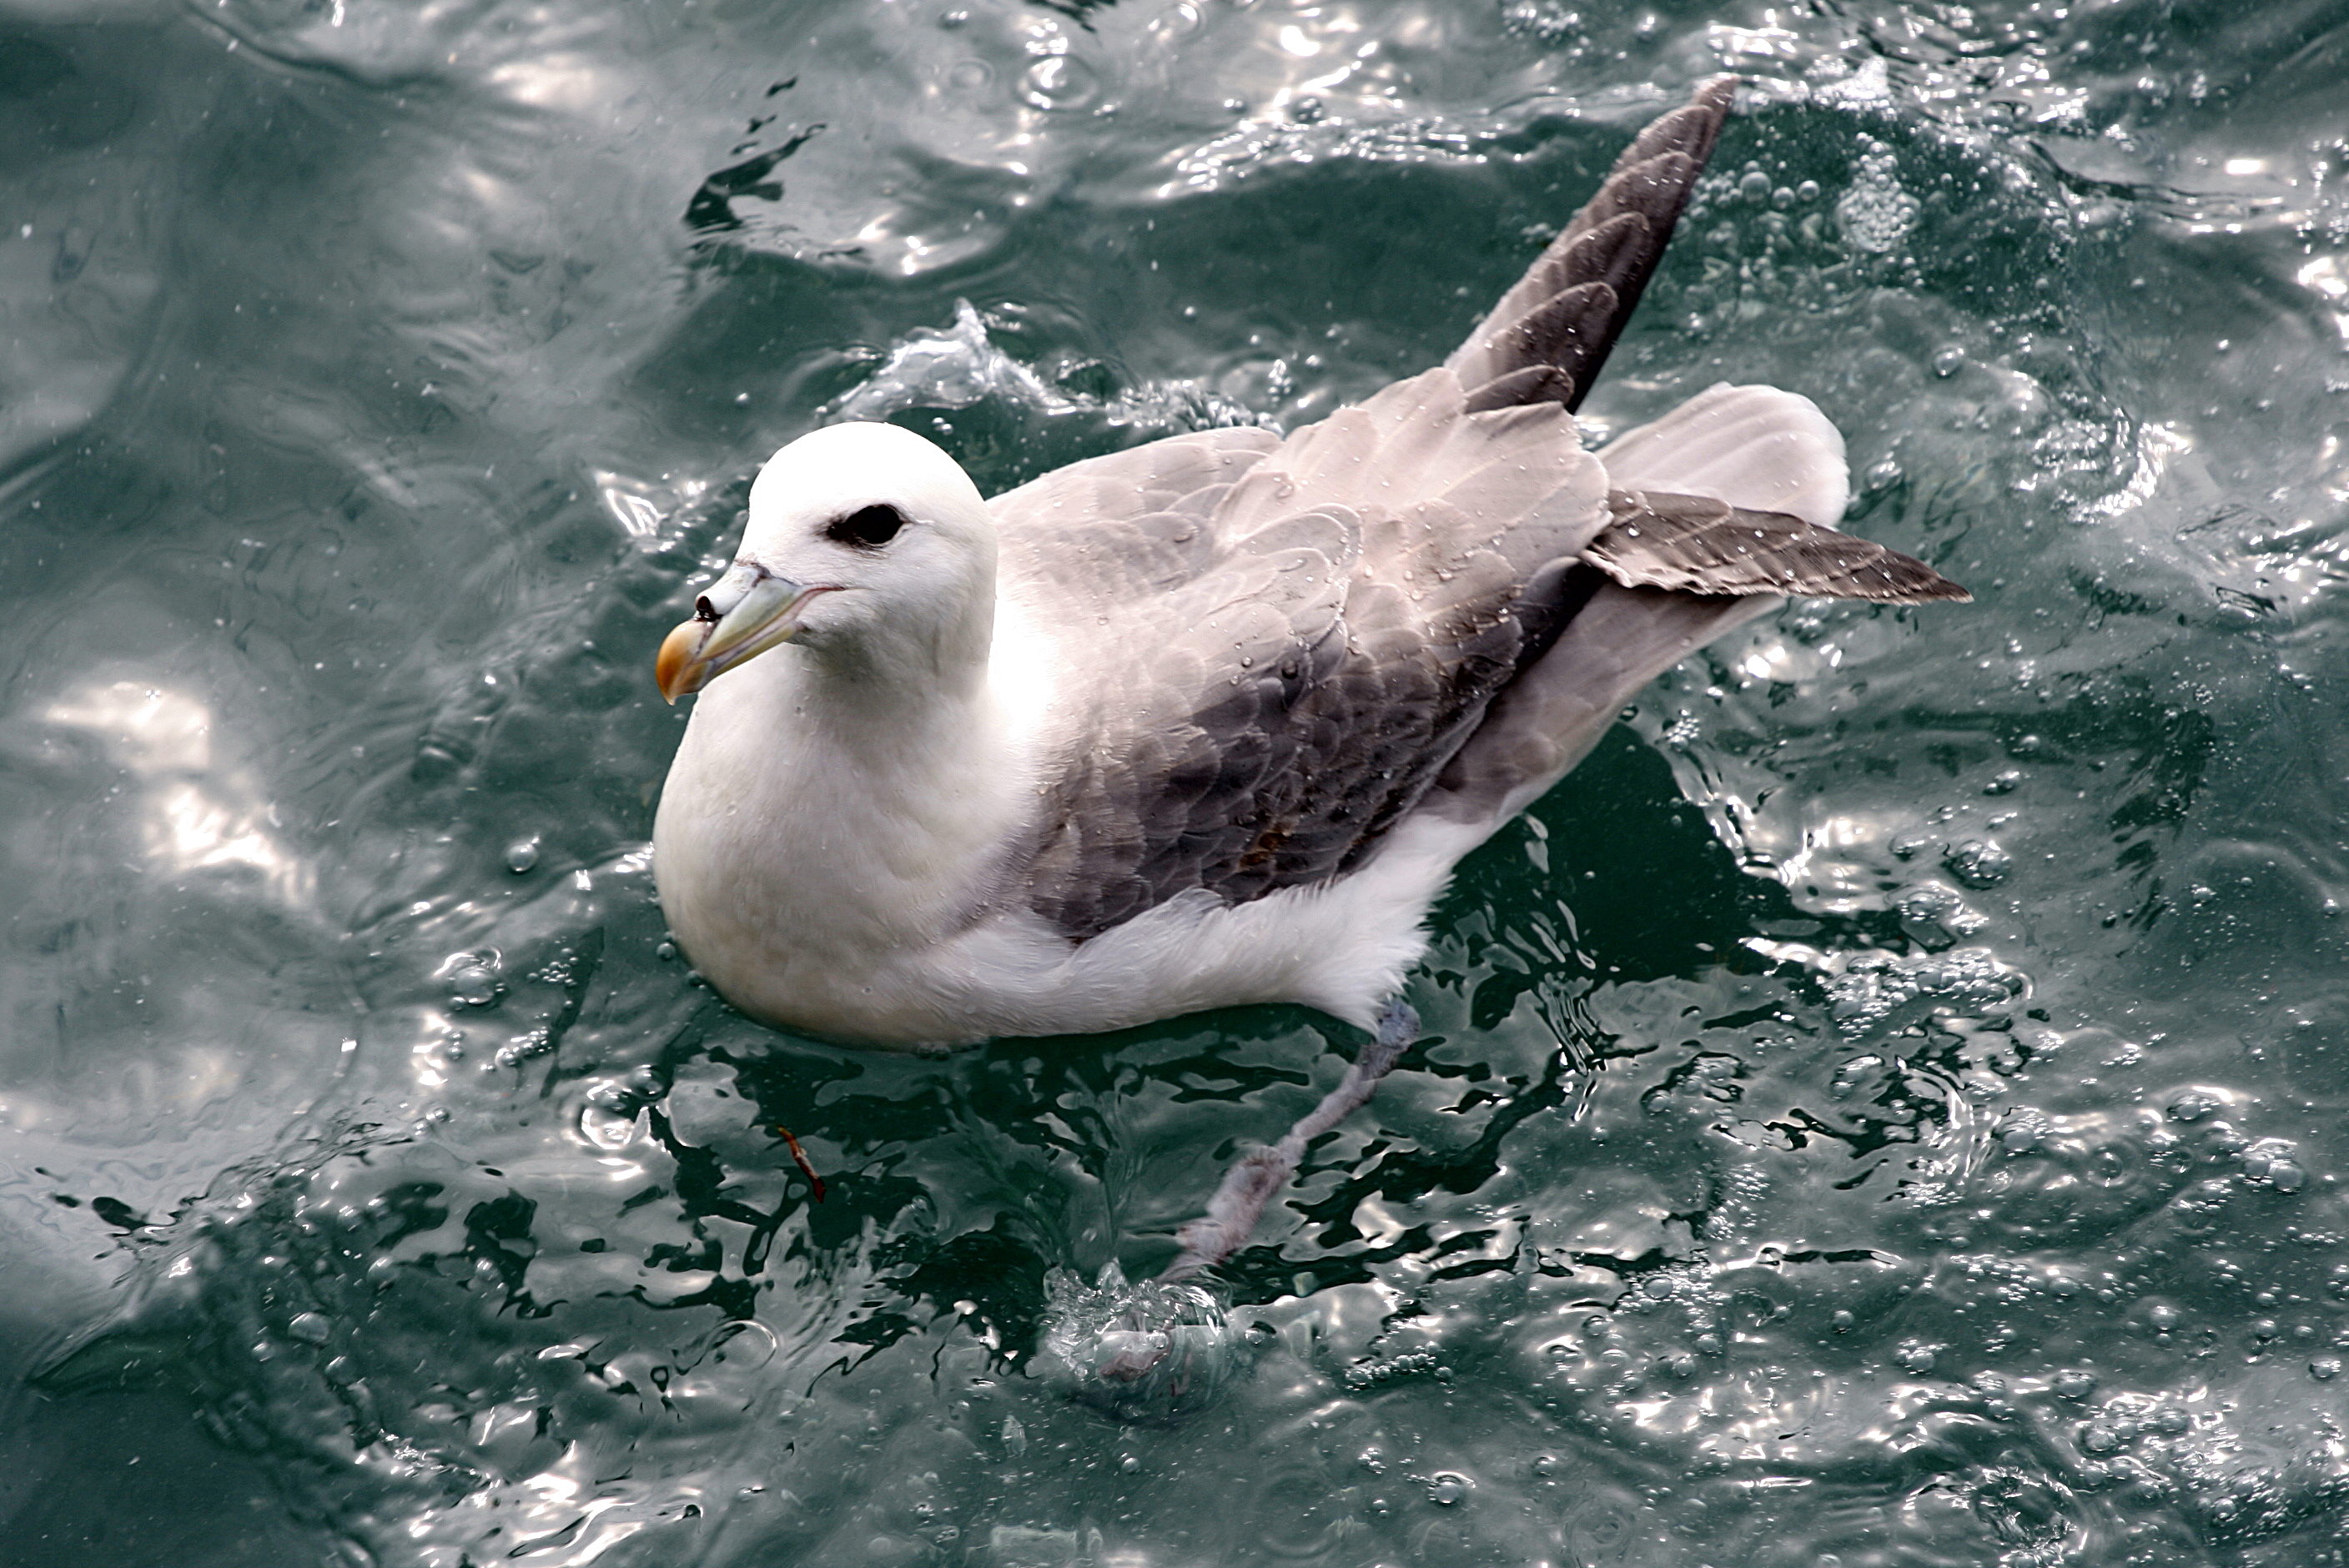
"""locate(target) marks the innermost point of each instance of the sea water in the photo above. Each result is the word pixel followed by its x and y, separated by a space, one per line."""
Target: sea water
pixel 1882 1109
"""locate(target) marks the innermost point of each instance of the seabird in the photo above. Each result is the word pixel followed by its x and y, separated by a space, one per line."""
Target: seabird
pixel 1209 721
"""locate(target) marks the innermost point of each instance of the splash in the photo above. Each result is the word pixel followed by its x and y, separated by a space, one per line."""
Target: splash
pixel 961 368
pixel 1148 1353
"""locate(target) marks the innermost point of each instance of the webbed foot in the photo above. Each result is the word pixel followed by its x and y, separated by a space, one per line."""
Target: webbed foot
pixel 1152 1352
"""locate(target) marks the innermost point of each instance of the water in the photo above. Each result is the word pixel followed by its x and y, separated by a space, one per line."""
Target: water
pixel 1880 1110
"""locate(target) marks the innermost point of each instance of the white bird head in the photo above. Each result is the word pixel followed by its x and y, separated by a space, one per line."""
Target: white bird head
pixel 863 539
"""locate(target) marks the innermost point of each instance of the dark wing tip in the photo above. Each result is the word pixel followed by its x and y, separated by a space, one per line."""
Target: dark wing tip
pixel 1649 186
pixel 1692 128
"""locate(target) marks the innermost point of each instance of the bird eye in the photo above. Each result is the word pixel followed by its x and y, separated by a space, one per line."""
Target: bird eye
pixel 868 528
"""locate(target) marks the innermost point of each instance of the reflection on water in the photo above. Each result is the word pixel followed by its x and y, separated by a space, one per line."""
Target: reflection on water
pixel 1879 1110
pixel 194 815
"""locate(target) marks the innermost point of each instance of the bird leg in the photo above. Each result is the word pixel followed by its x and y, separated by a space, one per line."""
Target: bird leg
pixel 1159 1350
pixel 1249 1186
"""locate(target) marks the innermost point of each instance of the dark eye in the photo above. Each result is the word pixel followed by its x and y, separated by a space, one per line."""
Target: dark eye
pixel 868 528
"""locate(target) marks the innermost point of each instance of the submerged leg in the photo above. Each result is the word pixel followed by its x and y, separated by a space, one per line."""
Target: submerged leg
pixel 1249 1186
pixel 1158 1350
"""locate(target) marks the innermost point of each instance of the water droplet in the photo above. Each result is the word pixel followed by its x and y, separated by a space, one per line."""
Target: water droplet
pixel 1058 82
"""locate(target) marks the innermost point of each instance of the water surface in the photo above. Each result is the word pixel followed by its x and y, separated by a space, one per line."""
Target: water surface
pixel 1881 1109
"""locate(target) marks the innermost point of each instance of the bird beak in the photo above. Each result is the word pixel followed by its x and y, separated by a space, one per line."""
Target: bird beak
pixel 744 613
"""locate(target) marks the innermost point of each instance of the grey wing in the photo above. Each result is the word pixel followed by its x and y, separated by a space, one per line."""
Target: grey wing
pixel 1281 670
pixel 1549 334
pixel 1736 493
pixel 1702 545
pixel 1116 527
pixel 1670 572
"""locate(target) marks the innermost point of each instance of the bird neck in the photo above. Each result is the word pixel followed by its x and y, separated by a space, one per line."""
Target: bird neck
pixel 859 797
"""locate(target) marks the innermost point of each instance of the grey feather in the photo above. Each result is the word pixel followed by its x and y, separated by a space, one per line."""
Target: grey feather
pixel 1702 545
pixel 1298 645
pixel 1550 718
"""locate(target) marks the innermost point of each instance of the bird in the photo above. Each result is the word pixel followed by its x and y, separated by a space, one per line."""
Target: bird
pixel 1209 721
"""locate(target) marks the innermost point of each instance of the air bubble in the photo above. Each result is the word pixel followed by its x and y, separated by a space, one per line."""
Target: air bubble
pixel 2099 1439
pixel 1978 862
pixel 521 855
pixel 611 1116
pixel 1447 1487
pixel 473 985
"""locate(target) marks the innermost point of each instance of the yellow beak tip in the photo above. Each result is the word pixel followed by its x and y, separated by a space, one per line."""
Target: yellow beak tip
pixel 676 664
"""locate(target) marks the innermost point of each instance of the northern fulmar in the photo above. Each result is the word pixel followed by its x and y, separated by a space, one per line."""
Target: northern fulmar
pixel 1210 721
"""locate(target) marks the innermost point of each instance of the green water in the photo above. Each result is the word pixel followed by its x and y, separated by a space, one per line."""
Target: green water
pixel 1882 1109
